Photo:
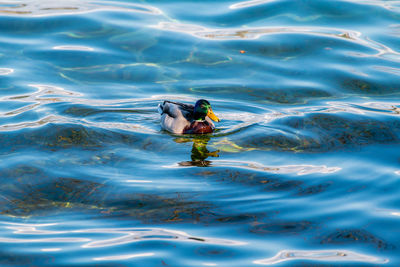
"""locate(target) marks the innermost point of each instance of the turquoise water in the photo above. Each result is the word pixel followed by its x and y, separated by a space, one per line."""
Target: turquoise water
pixel 303 170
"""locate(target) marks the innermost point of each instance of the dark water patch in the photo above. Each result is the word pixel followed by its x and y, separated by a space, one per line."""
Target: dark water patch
pixel 174 208
pixel 323 132
pixel 362 86
pixel 21 172
pixel 238 219
pixel 268 182
pixel 354 131
pixel 71 189
pixel 286 95
pixel 61 136
pixel 294 95
pixel 87 111
pixel 13 258
pixel 15 27
pixel 287 228
pixel 281 142
pixel 315 189
pixel 214 252
pixel 281 185
pixel 29 191
pixel 356 236
pixel 35 194
pixel 155 209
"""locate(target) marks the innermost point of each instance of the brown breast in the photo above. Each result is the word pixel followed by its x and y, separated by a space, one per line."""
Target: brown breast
pixel 198 127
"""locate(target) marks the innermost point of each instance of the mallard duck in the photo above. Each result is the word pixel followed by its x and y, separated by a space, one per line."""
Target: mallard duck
pixel 182 118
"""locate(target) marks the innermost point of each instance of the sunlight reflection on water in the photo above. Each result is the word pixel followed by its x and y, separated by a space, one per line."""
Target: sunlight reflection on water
pixel 50 8
pixel 321 255
pixel 73 47
pixel 245 4
pixel 6 71
pixel 129 235
pixel 296 169
pixel 123 257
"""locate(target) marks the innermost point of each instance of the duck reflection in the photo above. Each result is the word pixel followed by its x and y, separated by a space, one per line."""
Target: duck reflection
pixel 199 153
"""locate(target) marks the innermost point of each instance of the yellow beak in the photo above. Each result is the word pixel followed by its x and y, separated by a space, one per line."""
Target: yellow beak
pixel 212 116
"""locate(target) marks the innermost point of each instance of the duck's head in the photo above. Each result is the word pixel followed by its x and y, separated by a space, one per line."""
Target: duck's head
pixel 202 108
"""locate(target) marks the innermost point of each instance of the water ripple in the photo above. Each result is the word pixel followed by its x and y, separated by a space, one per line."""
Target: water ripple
pixel 253 33
pixel 6 71
pixel 39 8
pixel 321 255
pixel 392 5
pixel 135 235
pixel 332 107
pixel 245 4
pixel 297 169
pixel 33 124
pixel 73 48
pixel 44 240
pixel 129 235
pixel 123 257
pixel 44 94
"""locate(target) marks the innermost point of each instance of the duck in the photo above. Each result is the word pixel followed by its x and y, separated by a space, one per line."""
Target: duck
pixel 180 118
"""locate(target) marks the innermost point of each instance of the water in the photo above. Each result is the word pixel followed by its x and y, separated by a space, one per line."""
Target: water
pixel 303 169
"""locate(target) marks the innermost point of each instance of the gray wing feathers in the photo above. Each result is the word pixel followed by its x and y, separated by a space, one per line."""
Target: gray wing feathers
pixel 174 116
pixel 176 109
pixel 167 108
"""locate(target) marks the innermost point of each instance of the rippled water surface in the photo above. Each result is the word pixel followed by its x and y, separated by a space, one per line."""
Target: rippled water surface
pixel 304 168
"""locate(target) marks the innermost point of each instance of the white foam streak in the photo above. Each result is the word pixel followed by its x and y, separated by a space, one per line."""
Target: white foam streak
pixel 42 8
pixel 123 257
pixel 44 240
pixel 245 4
pixel 32 124
pixel 284 169
pixel 124 236
pixel 6 71
pixel 50 249
pixel 73 48
pixel 320 255
pixel 136 235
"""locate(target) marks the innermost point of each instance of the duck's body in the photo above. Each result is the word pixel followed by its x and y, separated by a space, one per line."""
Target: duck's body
pixel 182 118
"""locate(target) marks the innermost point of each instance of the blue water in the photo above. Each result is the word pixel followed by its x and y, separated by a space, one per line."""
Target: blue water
pixel 303 170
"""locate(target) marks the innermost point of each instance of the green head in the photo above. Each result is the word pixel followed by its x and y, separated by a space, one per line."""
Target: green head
pixel 202 108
